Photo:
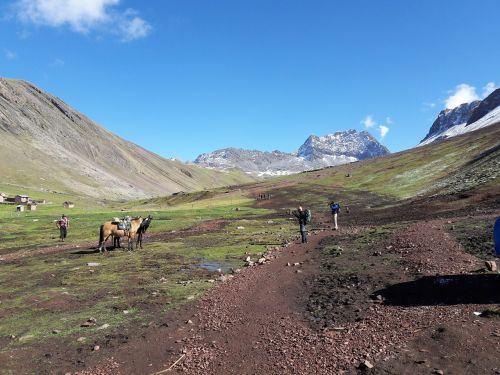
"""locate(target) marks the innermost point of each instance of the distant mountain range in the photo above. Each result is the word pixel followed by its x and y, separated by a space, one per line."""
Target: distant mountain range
pixel 465 118
pixel 45 145
pixel 316 152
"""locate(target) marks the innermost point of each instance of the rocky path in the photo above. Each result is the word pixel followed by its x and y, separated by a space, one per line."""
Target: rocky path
pixel 257 323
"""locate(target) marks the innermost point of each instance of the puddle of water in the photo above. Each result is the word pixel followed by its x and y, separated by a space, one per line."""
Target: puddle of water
pixel 213 266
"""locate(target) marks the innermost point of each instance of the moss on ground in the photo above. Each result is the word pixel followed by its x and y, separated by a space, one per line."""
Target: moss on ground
pixel 476 236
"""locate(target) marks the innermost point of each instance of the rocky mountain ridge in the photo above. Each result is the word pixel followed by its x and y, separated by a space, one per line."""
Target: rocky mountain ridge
pixel 316 152
pixel 47 145
pixel 464 118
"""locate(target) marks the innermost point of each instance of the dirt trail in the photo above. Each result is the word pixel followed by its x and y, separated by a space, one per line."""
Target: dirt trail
pixel 257 322
pixel 264 320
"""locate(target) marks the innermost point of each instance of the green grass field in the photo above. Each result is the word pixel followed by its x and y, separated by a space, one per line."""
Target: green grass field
pixel 48 297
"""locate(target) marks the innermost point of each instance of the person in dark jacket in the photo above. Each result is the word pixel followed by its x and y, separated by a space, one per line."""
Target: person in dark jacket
pixel 301 215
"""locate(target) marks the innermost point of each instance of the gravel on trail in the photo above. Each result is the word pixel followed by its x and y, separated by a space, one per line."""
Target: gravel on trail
pixel 256 322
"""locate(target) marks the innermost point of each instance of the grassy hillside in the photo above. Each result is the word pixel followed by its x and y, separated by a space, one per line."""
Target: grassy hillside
pixel 433 169
pixel 47 146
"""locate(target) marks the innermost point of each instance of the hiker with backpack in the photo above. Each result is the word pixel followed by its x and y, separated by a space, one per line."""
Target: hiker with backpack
pixel 304 218
pixel 335 207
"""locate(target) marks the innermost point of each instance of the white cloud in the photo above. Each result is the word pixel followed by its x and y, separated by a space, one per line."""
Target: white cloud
pixel 135 28
pixel 489 88
pixel 84 16
pixel 368 122
pixel 463 93
pixel 383 131
pixel 9 55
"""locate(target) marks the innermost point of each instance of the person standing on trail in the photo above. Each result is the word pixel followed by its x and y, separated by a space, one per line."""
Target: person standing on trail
pixel 301 215
pixel 335 207
pixel 63 225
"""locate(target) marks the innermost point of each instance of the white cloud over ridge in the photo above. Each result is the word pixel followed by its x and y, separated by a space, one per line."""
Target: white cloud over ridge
pixel 489 88
pixel 84 16
pixel 383 131
pixel 369 122
pixel 465 93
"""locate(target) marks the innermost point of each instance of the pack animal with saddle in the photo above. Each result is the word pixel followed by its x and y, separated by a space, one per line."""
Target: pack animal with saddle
pixel 123 224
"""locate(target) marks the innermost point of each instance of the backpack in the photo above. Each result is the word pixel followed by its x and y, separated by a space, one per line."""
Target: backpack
pixel 308 216
pixel 335 208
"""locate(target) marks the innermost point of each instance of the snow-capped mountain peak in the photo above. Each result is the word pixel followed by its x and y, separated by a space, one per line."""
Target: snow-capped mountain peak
pixel 465 118
pixel 316 152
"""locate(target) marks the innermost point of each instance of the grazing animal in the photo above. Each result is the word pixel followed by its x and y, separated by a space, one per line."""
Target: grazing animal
pixel 142 229
pixel 110 228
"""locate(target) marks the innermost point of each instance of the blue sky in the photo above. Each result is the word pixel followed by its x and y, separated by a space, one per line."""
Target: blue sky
pixel 182 77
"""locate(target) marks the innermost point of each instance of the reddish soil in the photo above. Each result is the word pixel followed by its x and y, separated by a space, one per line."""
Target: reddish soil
pixel 408 309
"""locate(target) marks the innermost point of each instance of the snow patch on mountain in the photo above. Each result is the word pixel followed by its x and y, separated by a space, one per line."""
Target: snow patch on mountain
pixel 465 118
pixel 316 152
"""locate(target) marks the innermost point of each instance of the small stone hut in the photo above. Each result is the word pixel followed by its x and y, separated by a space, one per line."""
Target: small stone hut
pixel 68 205
pixel 31 206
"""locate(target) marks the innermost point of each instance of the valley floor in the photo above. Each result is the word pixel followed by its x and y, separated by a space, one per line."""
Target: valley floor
pixel 290 316
pixel 400 296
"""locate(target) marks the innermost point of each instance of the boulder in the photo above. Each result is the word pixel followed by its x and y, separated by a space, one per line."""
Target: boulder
pixel 365 365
